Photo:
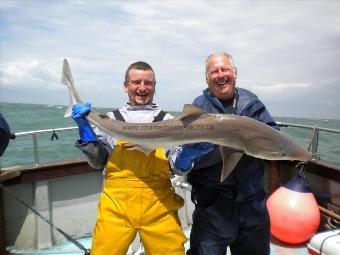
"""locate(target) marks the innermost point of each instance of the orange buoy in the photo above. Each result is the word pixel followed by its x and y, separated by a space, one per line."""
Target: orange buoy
pixel 294 212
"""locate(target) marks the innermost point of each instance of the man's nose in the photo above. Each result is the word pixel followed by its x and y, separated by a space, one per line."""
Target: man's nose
pixel 142 85
pixel 220 73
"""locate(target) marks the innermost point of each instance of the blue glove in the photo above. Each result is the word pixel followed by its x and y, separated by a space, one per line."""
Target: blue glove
pixel 79 111
pixel 189 153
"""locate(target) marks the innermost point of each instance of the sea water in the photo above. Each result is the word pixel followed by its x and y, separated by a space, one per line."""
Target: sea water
pixel 30 117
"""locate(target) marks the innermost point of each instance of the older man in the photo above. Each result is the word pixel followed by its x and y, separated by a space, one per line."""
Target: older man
pixel 233 212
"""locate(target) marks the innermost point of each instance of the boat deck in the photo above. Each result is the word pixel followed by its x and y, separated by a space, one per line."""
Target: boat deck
pixel 276 247
pixel 279 248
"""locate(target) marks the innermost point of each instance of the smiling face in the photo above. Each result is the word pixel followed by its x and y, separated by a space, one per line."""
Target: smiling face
pixel 221 76
pixel 140 86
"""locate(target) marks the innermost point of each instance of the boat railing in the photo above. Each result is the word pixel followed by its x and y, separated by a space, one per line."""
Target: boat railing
pixel 285 124
pixel 34 134
pixel 313 146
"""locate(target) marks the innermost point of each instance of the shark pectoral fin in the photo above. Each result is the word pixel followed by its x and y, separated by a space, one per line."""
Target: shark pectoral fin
pixel 230 159
pixel 132 146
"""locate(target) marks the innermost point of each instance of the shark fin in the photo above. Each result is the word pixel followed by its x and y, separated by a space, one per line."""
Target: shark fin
pixel 68 112
pixel 190 113
pixel 66 77
pixel 67 80
pixel 230 159
pixel 191 110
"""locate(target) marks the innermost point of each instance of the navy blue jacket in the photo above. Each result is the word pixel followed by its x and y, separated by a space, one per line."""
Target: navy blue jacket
pixel 246 180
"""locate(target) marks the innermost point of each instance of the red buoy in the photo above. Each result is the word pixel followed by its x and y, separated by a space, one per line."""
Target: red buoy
pixel 294 212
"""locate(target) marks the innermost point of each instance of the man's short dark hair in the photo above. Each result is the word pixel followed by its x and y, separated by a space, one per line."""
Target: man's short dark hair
pixel 139 65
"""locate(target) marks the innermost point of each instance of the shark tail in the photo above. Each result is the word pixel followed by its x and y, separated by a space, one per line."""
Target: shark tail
pixel 67 80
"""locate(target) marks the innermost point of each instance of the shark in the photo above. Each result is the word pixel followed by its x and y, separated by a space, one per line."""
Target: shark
pixel 235 135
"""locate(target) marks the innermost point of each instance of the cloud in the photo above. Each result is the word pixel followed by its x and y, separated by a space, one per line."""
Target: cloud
pixel 34 73
pixel 281 91
pixel 284 50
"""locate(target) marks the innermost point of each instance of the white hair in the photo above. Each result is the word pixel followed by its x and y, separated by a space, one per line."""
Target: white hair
pixel 227 55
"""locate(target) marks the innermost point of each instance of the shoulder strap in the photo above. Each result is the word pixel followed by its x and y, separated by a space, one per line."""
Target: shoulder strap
pixel 160 116
pixel 118 115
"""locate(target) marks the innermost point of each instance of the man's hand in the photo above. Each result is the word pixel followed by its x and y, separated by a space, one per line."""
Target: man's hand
pixel 79 112
pixel 189 152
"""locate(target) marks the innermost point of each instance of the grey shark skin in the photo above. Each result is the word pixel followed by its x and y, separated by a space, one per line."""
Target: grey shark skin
pixel 236 135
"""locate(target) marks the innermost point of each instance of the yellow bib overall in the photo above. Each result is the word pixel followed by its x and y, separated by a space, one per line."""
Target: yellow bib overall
pixel 138 196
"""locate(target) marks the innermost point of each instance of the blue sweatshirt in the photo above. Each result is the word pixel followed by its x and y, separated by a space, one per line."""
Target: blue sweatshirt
pixel 246 180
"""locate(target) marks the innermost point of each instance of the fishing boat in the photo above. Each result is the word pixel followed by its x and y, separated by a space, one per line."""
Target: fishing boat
pixel 50 207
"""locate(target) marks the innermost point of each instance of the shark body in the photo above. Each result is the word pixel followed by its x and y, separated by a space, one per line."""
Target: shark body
pixel 236 135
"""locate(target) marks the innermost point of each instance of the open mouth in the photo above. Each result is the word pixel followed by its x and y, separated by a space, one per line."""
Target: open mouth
pixel 221 83
pixel 142 94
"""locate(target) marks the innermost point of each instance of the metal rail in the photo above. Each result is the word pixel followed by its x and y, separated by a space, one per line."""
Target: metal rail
pixel 35 134
pixel 312 147
pixel 44 131
pixel 283 124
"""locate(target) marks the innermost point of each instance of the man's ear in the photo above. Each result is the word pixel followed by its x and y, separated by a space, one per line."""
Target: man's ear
pixel 126 87
pixel 235 72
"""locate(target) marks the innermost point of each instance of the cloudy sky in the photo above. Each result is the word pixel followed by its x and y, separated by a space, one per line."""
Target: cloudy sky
pixel 287 52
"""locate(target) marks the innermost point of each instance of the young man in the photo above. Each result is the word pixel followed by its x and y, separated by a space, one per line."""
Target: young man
pixel 137 194
pixel 232 213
